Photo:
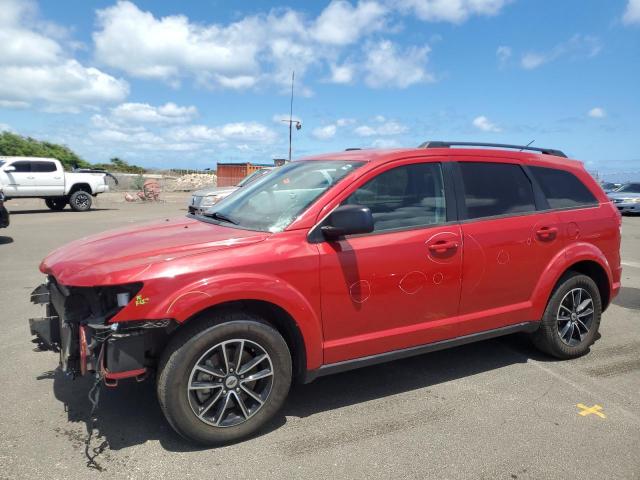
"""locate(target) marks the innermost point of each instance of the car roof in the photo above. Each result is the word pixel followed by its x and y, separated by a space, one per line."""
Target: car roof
pixel 8 157
pixel 386 155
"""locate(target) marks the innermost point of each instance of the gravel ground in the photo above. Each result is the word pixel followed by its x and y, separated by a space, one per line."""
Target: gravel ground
pixel 495 409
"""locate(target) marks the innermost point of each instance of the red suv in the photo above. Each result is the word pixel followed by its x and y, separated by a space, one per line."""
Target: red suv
pixel 331 263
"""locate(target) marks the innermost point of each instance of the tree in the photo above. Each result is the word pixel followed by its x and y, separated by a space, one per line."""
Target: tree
pixel 118 165
pixel 12 144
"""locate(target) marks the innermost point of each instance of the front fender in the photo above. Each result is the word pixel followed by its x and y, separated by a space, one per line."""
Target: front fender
pixel 559 264
pixel 189 300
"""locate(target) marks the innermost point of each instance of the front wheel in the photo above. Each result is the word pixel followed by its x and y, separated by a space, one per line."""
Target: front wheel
pixel 572 318
pixel 56 204
pixel 80 201
pixel 222 381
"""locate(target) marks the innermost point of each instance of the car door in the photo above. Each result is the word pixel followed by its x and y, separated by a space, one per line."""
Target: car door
pixel 48 180
pixel 398 286
pixel 20 181
pixel 508 242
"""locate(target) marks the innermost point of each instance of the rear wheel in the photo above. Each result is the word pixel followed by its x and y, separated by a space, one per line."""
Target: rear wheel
pixel 223 380
pixel 80 201
pixel 572 318
pixel 56 204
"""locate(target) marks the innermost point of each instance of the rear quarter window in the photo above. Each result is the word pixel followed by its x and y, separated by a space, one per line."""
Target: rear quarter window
pixel 562 189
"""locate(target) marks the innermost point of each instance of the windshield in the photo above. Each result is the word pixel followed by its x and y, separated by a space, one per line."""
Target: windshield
pixel 251 177
pixel 272 202
pixel 629 188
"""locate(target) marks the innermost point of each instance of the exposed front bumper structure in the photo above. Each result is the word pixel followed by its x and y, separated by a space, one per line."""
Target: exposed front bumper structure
pixel 76 325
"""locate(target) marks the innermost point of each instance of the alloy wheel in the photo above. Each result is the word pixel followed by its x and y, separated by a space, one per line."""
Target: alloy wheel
pixel 230 383
pixel 575 316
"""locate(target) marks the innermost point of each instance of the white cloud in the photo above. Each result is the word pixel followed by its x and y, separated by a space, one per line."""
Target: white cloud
pixel 454 11
pixel 5 128
pixel 34 66
pixel 257 50
pixel 246 132
pixel 632 13
pixel 578 46
pixel 342 73
pixel 344 122
pixel 389 128
pixel 484 124
pixel 324 133
pixel 388 66
pixel 503 53
pixel 145 113
pixel 65 83
pixel 145 46
pixel 13 104
pixel 597 112
pixel 342 24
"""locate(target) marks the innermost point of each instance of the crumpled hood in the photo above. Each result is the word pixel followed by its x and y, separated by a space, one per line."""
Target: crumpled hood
pixel 102 259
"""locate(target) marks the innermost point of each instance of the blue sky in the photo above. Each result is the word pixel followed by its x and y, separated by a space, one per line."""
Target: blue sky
pixel 186 84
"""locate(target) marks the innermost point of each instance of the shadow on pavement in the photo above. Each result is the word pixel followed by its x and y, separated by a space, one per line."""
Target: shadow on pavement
pixel 46 210
pixel 5 240
pixel 130 414
pixel 628 297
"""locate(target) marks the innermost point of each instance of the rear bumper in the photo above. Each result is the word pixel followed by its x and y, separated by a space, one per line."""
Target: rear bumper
pixel 101 189
pixel 115 351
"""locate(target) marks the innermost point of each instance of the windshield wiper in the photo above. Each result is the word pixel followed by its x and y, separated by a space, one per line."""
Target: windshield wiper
pixel 220 216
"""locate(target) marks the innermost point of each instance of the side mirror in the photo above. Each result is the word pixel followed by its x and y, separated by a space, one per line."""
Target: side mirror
pixel 10 168
pixel 347 220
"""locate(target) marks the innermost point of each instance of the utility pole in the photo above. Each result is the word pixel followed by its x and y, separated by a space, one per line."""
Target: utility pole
pixel 291 121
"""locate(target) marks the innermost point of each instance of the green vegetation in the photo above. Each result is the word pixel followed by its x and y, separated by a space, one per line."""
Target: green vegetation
pixel 118 165
pixel 19 146
pixel 15 145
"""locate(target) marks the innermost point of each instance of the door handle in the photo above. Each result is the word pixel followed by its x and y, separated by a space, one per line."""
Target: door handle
pixel 57 178
pixel 547 233
pixel 443 246
pixel 31 178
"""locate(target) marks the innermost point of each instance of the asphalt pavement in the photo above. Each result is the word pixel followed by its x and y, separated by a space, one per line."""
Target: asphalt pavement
pixel 495 409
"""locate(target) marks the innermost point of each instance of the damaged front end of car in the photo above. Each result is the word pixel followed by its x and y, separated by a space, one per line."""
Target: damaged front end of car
pixel 78 325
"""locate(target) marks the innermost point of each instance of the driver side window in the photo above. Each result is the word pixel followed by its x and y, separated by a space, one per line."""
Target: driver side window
pixel 404 197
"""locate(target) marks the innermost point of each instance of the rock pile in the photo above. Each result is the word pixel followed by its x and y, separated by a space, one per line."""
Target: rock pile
pixel 191 181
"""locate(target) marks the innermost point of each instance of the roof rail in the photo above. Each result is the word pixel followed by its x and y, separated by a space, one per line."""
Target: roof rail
pixel 439 144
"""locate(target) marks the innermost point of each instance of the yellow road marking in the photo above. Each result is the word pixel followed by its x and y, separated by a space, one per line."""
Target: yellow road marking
pixel 596 410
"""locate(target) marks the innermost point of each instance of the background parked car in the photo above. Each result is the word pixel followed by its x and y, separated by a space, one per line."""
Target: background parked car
pixel 627 198
pixel 207 197
pixel 4 214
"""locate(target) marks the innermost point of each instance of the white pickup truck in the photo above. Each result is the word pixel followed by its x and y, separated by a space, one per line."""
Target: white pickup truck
pixel 33 177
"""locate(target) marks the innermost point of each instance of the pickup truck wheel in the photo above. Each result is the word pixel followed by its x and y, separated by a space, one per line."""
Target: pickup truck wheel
pixel 80 201
pixel 223 380
pixel 56 204
pixel 572 318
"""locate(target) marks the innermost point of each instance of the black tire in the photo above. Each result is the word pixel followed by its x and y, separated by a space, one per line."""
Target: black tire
pixel 195 342
pixel 56 204
pixel 80 201
pixel 549 337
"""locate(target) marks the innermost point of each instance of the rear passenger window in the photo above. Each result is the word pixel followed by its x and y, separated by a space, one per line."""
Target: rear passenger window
pixel 43 167
pixel 404 197
pixel 492 189
pixel 562 189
